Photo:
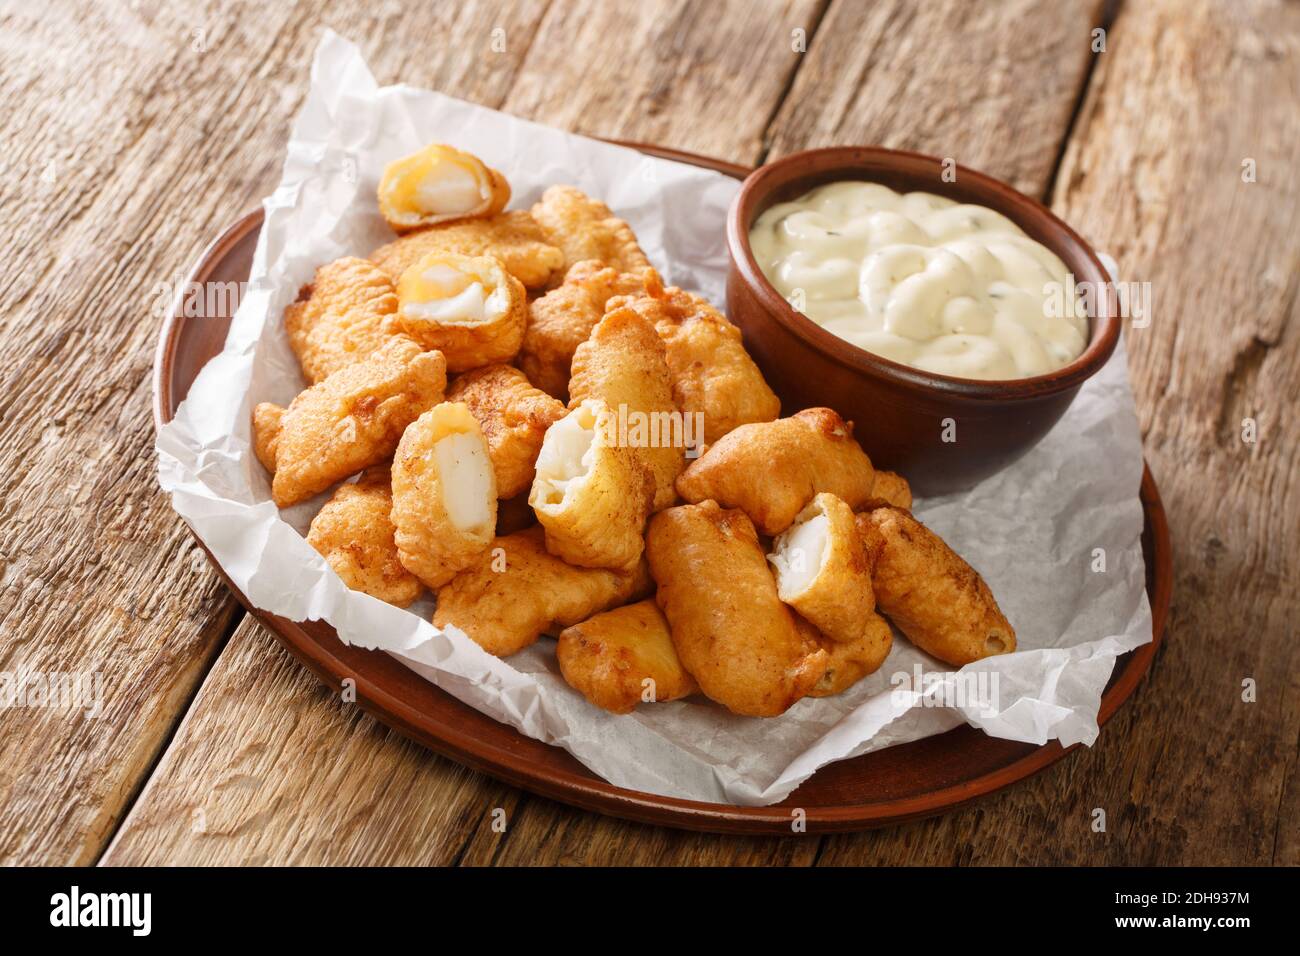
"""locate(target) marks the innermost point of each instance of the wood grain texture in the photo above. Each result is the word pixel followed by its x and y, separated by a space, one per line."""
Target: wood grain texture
pixel 177 134
pixel 992 85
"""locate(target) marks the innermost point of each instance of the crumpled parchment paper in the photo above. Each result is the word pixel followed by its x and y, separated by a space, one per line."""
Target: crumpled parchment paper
pixel 1033 530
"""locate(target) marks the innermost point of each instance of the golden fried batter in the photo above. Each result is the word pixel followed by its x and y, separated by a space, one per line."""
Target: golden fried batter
pixel 437 184
pixel 623 364
pixel 730 629
pixel 468 308
pixel 591 494
pixel 770 470
pixel 891 488
pixel 823 571
pixel 514 417
pixel 517 590
pixel 354 533
pixel 266 433
pixel 853 660
pixel 622 658
pixel 584 228
pixel 349 421
pixel 444 494
pixel 513 237
pixel 712 372
pixel 340 317
pixel 561 320
pixel 932 595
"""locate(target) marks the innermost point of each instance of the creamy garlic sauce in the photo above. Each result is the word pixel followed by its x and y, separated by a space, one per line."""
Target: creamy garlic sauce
pixel 951 288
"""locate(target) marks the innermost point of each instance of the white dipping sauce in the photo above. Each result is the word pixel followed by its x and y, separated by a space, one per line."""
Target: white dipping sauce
pixel 947 287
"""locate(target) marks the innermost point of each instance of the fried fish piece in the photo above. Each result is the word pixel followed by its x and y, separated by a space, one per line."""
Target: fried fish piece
pixel 517 590
pixel 591 494
pixel 513 237
pixel 622 658
pixel 444 494
pixel 439 183
pixel 712 373
pixel 562 319
pixel 823 571
pixel 349 421
pixel 340 317
pixel 514 417
pixel 934 597
pixel 771 470
pixel 467 307
pixel 731 630
pixel 891 488
pixel 585 228
pixel 354 533
pixel 850 661
pixel 623 364
pixel 266 433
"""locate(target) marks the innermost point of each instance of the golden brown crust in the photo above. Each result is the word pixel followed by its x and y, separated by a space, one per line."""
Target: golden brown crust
pixel 354 533
pixel 851 661
pixel 796 457
pixel 623 363
pixel 340 318
pixel 433 543
pixel 730 629
pixel 266 433
pixel 596 521
pixel 836 596
pixel 712 373
pixel 585 228
pixel 514 417
pixel 622 658
pixel 562 319
pixel 516 591
pixel 513 237
pixel 891 488
pixel 396 205
pixel 932 595
pixel 465 344
pixel 353 419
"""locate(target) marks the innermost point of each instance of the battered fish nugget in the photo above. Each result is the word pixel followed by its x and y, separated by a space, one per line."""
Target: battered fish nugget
pixel 850 661
pixel 712 373
pixel 437 184
pixel 516 591
pixel 470 309
pixel 349 421
pixel 514 417
pixel 513 237
pixel 591 494
pixel 339 318
pixel 823 571
pixel 771 470
pixel 354 533
pixel 622 363
pixel 622 658
pixel 561 320
pixel 444 494
pixel 891 488
pixel 931 594
pixel 731 631
pixel 584 228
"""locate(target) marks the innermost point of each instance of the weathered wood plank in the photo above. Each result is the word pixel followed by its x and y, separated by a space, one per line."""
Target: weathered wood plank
pixel 1188 773
pixel 697 76
pixel 992 85
pixel 134 133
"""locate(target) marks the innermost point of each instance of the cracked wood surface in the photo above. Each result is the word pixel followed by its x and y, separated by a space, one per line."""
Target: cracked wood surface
pixel 226 751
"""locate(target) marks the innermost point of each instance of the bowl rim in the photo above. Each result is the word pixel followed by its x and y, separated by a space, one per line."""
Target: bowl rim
pixel 1104 327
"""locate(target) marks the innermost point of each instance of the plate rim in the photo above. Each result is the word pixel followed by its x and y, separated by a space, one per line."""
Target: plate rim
pixel 587 790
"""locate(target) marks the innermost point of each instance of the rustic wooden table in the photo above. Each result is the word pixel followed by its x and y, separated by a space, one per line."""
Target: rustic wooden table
pixel 134 132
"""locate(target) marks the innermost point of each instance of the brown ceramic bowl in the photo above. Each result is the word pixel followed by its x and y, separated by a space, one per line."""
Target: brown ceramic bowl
pixel 899 412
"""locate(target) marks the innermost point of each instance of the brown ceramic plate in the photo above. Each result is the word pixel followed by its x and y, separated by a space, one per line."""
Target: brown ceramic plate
pixel 900 783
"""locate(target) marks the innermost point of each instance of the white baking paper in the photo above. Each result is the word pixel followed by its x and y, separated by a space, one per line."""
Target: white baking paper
pixel 1038 531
